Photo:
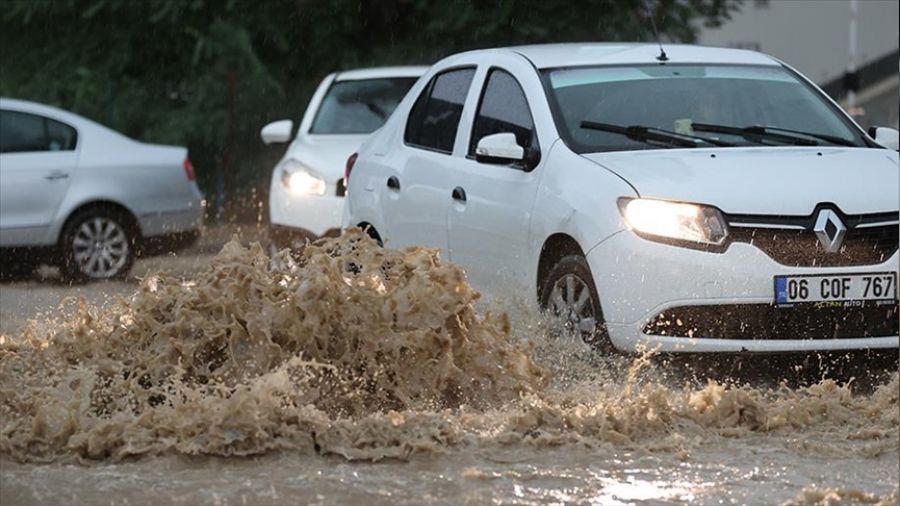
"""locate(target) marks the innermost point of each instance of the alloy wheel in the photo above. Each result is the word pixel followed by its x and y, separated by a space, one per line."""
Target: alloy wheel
pixel 100 248
pixel 575 309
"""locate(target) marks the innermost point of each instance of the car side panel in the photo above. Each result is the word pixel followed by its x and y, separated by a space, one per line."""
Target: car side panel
pixel 488 234
pixel 149 181
pixel 32 186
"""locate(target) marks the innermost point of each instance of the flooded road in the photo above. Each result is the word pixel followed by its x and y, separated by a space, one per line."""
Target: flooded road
pixel 365 376
pixel 750 472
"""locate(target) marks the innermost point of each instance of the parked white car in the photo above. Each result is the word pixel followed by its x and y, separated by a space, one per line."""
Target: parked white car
pixel 711 201
pixel 306 196
pixel 84 197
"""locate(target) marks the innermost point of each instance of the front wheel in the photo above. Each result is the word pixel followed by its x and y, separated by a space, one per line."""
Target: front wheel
pixel 569 296
pixel 97 244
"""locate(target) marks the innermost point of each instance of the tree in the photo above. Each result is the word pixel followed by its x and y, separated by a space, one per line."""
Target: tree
pixel 158 70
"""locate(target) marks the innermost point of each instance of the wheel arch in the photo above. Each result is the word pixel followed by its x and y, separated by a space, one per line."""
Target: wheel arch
pixel 371 231
pixel 555 247
pixel 102 204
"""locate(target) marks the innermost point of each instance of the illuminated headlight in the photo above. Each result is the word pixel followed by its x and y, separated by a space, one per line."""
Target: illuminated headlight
pixel 301 180
pixel 660 219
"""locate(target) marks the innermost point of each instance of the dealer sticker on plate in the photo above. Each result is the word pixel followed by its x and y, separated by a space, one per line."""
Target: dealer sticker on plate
pixel 836 288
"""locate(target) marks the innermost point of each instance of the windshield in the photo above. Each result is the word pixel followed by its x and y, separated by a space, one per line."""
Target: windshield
pixel 359 106
pixel 674 98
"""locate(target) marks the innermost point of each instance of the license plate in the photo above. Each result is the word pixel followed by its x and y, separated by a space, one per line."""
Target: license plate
pixel 836 288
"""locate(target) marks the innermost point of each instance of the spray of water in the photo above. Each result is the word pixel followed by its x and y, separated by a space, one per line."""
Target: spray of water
pixel 370 353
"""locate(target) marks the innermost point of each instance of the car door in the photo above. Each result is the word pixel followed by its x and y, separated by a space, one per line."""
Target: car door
pixel 37 158
pixel 489 219
pixel 415 189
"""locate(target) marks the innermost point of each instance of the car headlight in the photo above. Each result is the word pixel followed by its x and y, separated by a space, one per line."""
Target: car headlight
pixel 677 221
pixel 301 180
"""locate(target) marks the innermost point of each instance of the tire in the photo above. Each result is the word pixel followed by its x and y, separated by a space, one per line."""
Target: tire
pixel 97 244
pixel 569 295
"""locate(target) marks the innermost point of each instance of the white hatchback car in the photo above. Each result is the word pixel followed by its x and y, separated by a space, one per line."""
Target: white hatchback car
pixel 306 194
pixel 714 200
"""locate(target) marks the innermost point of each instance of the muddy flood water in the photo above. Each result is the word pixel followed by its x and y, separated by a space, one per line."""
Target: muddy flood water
pixel 360 375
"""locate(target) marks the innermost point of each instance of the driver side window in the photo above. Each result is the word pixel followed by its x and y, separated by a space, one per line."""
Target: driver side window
pixel 503 109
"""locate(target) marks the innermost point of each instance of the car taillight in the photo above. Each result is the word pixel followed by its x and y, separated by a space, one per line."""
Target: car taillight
pixel 349 168
pixel 189 170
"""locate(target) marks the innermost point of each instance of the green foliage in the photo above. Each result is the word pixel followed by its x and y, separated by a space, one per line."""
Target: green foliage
pixel 158 70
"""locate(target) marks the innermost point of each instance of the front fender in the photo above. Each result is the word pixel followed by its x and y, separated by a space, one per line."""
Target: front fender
pixel 576 197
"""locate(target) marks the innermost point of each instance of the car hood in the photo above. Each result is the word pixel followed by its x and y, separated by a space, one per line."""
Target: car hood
pixel 767 180
pixel 326 154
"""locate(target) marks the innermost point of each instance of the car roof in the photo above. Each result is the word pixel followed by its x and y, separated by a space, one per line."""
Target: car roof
pixel 381 73
pixel 42 109
pixel 545 56
pixel 84 125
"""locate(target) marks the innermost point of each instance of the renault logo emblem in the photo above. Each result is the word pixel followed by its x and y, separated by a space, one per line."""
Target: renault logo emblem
pixel 830 230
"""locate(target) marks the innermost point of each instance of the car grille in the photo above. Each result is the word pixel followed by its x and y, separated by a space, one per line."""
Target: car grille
pixel 767 321
pixel 869 240
pixel 801 248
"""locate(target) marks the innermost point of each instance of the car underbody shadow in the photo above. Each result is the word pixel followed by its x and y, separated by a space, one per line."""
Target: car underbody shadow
pixel 864 369
pixel 15 275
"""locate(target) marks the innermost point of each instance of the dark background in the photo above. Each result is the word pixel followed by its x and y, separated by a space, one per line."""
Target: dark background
pixel 208 74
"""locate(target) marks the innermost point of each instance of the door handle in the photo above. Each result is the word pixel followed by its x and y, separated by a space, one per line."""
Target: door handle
pixel 459 194
pixel 393 183
pixel 56 175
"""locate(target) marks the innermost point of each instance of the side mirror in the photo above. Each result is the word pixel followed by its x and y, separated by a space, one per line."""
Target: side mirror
pixel 277 132
pixel 499 148
pixel 887 137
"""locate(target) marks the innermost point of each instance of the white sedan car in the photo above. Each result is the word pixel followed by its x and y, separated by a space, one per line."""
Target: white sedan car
pixel 77 194
pixel 306 196
pixel 704 200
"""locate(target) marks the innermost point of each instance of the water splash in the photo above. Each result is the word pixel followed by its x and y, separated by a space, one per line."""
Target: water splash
pixel 369 353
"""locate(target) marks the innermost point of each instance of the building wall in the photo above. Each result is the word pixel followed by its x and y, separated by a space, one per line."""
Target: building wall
pixel 813 37
pixel 879 105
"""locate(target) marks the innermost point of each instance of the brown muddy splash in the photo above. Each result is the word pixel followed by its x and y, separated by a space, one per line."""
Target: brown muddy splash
pixel 812 496
pixel 366 353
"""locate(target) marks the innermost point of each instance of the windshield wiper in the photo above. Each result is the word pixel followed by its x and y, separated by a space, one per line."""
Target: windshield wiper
pixel 825 137
pixel 758 133
pixel 651 134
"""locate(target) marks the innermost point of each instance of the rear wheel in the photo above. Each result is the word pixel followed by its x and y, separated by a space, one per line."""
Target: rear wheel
pixel 569 296
pixel 97 244
pixel 371 232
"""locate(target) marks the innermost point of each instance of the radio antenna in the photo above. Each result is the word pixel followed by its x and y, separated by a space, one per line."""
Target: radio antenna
pixel 662 52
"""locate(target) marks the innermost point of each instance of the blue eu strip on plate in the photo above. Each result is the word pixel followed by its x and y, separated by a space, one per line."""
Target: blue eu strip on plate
pixel 781 295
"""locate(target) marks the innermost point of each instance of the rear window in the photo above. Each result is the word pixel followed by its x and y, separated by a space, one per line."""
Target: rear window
pixel 359 106
pixel 434 118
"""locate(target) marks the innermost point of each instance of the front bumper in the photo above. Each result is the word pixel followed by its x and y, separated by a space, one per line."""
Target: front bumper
pixel 638 279
pixel 311 215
